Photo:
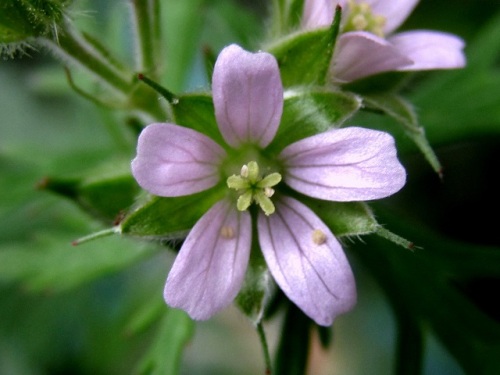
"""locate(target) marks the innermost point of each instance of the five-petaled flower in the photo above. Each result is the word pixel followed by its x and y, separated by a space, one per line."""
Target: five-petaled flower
pixel 303 256
pixel 367 45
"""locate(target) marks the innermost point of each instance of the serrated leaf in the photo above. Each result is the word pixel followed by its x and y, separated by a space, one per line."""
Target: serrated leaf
pixel 304 58
pixel 402 111
pixel 306 113
pixel 169 218
pixel 164 357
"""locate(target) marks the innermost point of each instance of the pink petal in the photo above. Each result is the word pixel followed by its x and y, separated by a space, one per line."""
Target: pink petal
pixel 210 267
pixel 394 11
pixel 318 13
pixel 174 161
pixel 360 54
pixel 248 96
pixel 349 164
pixel 430 50
pixel 312 271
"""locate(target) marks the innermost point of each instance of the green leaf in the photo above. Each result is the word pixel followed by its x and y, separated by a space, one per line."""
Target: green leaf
pixel 304 58
pixel 169 218
pixel 312 111
pixel 164 357
pixel 402 111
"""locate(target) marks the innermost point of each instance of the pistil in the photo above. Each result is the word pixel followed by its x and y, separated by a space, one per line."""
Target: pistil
pixel 253 188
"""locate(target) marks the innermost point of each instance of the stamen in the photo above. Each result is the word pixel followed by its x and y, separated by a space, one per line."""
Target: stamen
pixel 318 237
pixel 362 18
pixel 269 192
pixel 253 188
pixel 244 171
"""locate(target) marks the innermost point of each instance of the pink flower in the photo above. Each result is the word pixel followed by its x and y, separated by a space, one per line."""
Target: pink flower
pixel 367 45
pixel 302 254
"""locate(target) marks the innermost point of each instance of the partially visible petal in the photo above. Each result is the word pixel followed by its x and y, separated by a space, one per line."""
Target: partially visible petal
pixel 361 54
pixel 248 96
pixel 318 13
pixel 348 164
pixel 430 49
pixel 307 261
pixel 174 161
pixel 210 267
pixel 394 11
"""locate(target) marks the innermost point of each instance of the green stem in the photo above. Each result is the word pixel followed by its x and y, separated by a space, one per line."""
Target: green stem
pixel 265 347
pixel 70 45
pixel 147 25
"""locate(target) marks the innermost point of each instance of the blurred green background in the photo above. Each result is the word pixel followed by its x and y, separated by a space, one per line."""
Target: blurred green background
pixel 98 308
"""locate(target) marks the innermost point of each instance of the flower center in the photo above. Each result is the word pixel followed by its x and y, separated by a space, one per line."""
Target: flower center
pixel 361 18
pixel 253 188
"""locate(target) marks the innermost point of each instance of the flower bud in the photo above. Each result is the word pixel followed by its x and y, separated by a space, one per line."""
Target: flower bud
pixel 22 20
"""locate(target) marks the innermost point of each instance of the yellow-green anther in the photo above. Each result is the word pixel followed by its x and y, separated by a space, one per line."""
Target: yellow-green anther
pixel 253 172
pixel 244 200
pixel 269 180
pixel 264 202
pixel 362 18
pixel 237 182
pixel 253 188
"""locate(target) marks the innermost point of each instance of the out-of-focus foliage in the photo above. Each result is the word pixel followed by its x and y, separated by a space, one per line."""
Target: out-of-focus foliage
pixel 97 308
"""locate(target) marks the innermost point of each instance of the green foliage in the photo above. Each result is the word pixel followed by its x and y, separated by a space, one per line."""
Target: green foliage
pixel 97 308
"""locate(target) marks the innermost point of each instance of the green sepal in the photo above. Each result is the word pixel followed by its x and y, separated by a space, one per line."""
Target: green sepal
pixel 307 112
pixel 105 192
pixel 170 218
pixel 353 219
pixel 257 287
pixel 304 58
pixel 344 218
pixel 196 111
pixel 402 111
